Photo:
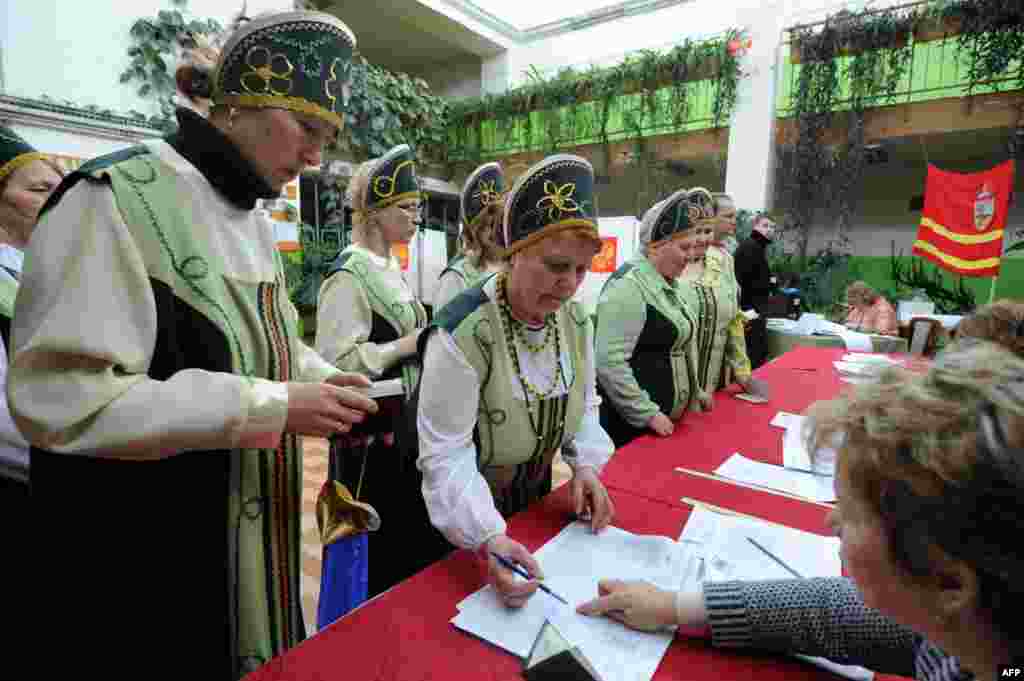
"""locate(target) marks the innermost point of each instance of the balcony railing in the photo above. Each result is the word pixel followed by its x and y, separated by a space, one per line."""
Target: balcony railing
pixel 936 69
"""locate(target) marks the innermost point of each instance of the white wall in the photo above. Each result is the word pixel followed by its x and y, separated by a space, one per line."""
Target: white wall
pixel 77 50
pixel 66 143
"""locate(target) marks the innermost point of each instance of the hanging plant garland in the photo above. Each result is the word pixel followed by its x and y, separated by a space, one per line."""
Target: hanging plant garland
pixel 644 90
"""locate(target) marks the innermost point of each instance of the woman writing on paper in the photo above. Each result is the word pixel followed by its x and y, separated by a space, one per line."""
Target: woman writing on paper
pixel 368 321
pixel 157 371
pixel 929 527
pixel 643 348
pixel 481 203
pixel 508 378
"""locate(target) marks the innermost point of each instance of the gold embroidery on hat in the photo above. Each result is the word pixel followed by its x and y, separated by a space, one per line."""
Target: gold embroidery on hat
pixel 262 71
pixel 339 87
pixel 390 180
pixel 487 193
pixel 558 199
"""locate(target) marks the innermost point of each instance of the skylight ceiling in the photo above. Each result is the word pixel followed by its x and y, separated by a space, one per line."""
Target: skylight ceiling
pixel 528 14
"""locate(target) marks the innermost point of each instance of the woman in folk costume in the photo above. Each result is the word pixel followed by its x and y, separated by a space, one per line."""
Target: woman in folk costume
pixel 26 181
pixel 517 353
pixel 645 358
pixel 158 373
pixel 368 321
pixel 711 298
pixel 480 205
pixel 728 360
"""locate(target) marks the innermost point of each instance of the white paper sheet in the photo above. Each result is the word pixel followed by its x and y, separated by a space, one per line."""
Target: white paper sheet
pixel 858 369
pixel 573 562
pixel 871 358
pixel 856 341
pixel 816 555
pixel 807 485
pixel 785 420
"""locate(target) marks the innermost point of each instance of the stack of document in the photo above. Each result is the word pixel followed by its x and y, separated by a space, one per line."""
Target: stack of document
pixel 798 483
pixel 573 563
pixel 862 368
pixel 796 454
pixel 727 553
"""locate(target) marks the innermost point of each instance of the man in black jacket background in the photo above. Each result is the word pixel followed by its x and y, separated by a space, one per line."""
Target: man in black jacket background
pixel 754 275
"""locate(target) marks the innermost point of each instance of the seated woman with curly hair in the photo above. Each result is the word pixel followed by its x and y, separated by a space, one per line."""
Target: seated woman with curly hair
pixel 1001 322
pixel 930 487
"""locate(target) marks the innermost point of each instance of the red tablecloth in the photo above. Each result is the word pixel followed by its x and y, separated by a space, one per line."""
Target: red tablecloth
pixel 704 441
pixel 406 635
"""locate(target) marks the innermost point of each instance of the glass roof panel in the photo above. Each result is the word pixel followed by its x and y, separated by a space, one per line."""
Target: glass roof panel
pixel 527 14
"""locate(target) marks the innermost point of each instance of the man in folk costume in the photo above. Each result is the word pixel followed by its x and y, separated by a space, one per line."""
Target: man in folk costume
pixel 158 373
pixel 727 359
pixel 480 206
pixel 644 350
pixel 518 353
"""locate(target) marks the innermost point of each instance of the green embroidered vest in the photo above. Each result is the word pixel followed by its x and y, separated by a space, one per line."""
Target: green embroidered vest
pixel 671 305
pixel 157 207
pixel 717 294
pixel 8 292
pixel 506 435
pixel 404 318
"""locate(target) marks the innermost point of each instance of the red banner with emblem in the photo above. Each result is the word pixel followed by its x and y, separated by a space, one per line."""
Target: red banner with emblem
pixel 963 219
pixel 606 258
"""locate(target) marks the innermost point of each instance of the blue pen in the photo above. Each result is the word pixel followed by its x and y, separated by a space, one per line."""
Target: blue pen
pixel 505 562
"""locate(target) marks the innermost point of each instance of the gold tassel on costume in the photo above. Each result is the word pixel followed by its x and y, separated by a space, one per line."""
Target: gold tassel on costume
pixel 339 515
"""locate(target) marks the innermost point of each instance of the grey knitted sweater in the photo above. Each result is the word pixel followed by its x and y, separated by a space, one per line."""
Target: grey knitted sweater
pixel 822 617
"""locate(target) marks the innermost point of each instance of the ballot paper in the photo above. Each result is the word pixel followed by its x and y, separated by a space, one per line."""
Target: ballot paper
pixel 726 553
pixel 859 369
pixel 856 341
pixel 799 483
pixel 784 420
pixel 871 358
pixel 573 563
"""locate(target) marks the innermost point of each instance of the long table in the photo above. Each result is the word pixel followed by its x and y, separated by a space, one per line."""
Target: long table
pixel 780 343
pixel 405 633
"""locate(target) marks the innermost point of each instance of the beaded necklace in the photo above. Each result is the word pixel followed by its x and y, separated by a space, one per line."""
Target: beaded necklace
pixel 512 323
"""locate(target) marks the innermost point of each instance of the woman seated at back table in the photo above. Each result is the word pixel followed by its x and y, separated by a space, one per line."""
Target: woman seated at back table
pixel 870 312
pixel 929 527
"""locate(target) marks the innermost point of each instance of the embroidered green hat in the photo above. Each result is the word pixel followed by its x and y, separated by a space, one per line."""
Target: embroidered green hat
pixel 667 219
pixel 393 179
pixel 702 205
pixel 483 188
pixel 298 61
pixel 554 195
pixel 14 152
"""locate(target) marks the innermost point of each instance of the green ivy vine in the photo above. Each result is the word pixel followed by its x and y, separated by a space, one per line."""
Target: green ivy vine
pixel 385 108
pixel 580 104
pixel 819 182
pixel 388 108
pixel 152 52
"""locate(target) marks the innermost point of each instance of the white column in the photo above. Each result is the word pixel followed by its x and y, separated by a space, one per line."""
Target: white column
pixel 751 166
